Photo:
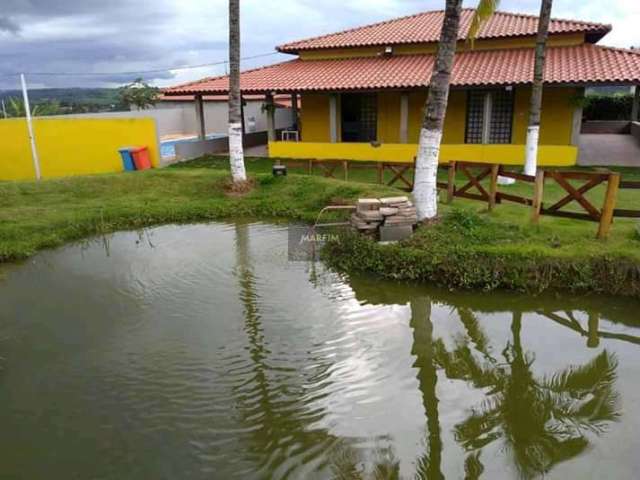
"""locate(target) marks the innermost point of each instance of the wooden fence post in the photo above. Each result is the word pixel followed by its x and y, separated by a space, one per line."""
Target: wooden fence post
pixel 493 186
pixel 310 166
pixel 380 167
pixel 451 182
pixel 606 218
pixel 538 194
pixel 345 167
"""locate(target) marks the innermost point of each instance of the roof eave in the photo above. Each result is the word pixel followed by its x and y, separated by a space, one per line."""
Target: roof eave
pixel 593 36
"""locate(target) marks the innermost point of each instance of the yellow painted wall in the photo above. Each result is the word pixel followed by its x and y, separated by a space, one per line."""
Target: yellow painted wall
pixel 72 146
pixel 314 117
pixel 559 40
pixel 456 117
pixel 389 117
pixel 556 122
pixel 15 152
pixel 556 125
pixel 550 155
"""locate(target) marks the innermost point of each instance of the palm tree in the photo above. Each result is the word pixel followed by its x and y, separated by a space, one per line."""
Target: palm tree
pixel 15 108
pixel 533 131
pixel 542 422
pixel 236 153
pixel 425 189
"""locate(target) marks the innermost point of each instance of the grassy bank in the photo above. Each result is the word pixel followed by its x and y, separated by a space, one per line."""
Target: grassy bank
pixel 469 248
pixel 41 215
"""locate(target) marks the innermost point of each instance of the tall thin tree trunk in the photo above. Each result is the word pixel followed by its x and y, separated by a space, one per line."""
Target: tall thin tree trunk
pixel 423 349
pixel 533 132
pixel 236 153
pixel 425 190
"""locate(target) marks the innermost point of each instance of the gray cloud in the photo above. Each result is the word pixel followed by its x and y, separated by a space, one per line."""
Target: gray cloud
pixel 132 35
pixel 8 25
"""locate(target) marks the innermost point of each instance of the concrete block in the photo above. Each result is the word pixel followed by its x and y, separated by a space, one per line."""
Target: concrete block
pixel 393 200
pixel 367 204
pixel 388 211
pixel 395 233
pixel 371 215
pixel 398 220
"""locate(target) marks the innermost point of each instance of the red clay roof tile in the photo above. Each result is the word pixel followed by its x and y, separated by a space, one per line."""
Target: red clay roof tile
pixel 584 64
pixel 425 28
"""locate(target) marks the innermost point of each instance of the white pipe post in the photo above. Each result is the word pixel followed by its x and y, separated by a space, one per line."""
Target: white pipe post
pixel 4 110
pixel 32 140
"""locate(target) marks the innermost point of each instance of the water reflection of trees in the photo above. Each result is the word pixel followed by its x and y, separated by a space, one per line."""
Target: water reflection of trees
pixel 540 421
pixel 277 409
pixel 429 465
pixel 279 422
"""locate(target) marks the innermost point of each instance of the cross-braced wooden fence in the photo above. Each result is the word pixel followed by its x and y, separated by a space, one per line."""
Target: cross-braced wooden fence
pixel 482 185
pixel 574 194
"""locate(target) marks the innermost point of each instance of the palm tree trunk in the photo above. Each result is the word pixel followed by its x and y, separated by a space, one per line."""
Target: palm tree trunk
pixel 533 132
pixel 425 190
pixel 236 153
pixel 423 349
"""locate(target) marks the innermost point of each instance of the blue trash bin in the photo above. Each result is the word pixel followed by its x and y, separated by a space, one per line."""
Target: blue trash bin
pixel 127 159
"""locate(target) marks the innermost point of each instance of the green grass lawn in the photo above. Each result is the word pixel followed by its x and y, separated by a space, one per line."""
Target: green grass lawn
pixel 470 247
pixel 40 215
pixel 509 224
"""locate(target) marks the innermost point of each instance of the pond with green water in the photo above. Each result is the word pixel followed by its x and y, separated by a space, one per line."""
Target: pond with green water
pixel 200 352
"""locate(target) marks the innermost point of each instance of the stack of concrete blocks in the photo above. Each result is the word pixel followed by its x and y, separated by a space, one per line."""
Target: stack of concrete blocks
pixel 393 217
pixel 367 217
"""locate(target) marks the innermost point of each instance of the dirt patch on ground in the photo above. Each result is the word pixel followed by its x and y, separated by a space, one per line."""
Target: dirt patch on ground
pixel 238 189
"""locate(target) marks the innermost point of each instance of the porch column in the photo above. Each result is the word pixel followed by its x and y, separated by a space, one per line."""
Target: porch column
pixel 202 133
pixel 577 122
pixel 333 118
pixel 242 120
pixel 404 117
pixel 271 117
pixel 635 110
pixel 294 112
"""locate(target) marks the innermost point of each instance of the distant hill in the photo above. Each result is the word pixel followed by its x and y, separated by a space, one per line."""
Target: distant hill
pixel 73 100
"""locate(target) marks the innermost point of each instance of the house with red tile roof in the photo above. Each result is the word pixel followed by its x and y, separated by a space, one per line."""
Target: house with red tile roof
pixel 363 90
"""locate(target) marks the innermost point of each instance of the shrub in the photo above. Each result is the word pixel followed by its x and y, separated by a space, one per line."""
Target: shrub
pixel 608 107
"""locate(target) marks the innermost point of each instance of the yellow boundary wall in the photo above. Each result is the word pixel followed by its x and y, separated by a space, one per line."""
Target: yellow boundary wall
pixel 72 146
pixel 549 155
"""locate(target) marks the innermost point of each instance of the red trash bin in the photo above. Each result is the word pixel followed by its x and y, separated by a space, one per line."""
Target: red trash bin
pixel 141 158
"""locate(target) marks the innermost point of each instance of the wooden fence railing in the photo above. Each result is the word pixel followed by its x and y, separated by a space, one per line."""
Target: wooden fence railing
pixel 574 194
pixel 619 212
pixel 403 173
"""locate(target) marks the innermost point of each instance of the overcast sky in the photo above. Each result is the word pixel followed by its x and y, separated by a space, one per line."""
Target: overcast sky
pixel 133 35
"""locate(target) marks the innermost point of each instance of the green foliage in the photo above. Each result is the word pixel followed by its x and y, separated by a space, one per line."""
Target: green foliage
pixel 268 108
pixel 139 94
pixel 484 11
pixel 608 107
pixel 71 100
pixel 15 108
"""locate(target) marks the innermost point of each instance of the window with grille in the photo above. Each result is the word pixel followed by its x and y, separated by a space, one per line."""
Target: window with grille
pixel 489 116
pixel 501 116
pixel 359 117
pixel 475 116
